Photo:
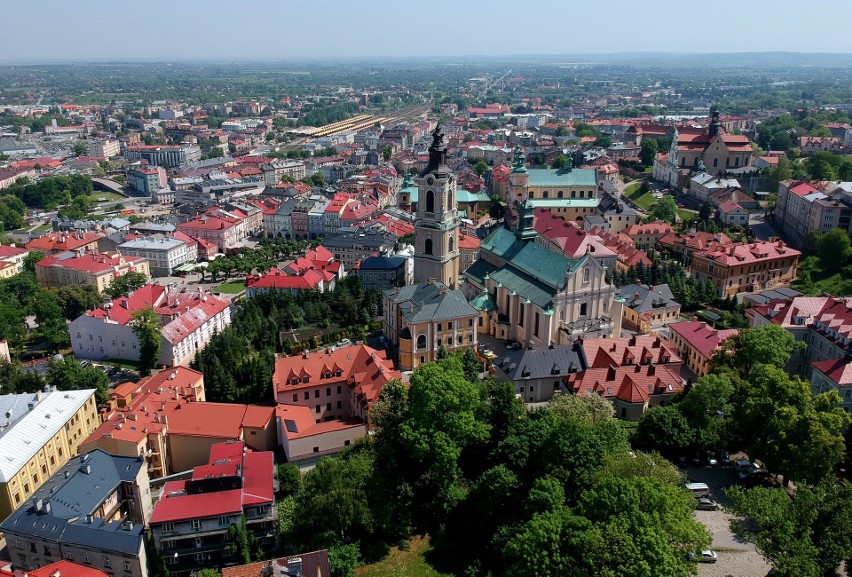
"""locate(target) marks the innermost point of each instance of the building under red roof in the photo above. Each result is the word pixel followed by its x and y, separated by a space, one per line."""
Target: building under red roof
pixel 57 242
pixel 703 338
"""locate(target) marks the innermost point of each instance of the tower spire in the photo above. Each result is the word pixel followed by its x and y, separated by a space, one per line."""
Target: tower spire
pixel 437 154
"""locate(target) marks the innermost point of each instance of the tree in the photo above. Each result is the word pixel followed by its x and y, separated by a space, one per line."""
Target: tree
pixel 648 151
pixel 603 141
pixel 79 149
pixel 31 259
pixel 15 380
pixel 289 479
pixel 77 299
pixel 471 365
pixel 208 572
pixel 239 535
pixel 317 179
pixel 480 167
pixel 157 566
pixel 663 429
pixel 705 213
pixel 146 328
pixel 343 559
pixel 69 375
pixel 560 162
pixel 792 432
pixel 440 423
pixel 766 344
pixel 834 249
pixel 387 152
pixel 51 322
pixel 707 408
pixel 591 407
pixel 127 282
pixel 807 536
pixel 664 209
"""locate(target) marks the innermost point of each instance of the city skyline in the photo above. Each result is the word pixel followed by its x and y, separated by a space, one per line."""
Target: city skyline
pixel 48 31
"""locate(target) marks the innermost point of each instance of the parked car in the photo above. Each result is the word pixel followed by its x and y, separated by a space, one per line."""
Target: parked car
pixel 706 504
pixel 695 460
pixel 706 556
pixel 513 346
pixel 344 343
pixel 724 458
pixel 709 458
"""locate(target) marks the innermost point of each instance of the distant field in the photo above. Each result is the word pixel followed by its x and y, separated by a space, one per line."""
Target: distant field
pixel 409 563
pixel 230 288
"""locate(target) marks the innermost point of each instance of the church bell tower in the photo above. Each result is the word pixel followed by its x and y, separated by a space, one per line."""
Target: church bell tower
pixel 436 222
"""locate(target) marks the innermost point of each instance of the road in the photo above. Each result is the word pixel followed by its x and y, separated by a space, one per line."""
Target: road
pixel 761 229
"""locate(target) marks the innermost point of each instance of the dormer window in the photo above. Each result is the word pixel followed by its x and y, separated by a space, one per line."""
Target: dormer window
pixel 305 379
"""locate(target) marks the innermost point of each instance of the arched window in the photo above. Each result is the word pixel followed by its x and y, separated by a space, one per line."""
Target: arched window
pixel 715 162
pixel 545 194
pixel 427 248
pixel 573 193
pixel 421 342
pixel 532 194
pixel 452 244
pixel 559 194
pixel 737 161
pixel 449 200
pixel 430 201
pixel 586 274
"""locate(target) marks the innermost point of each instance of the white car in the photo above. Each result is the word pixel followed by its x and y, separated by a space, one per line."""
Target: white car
pixel 706 556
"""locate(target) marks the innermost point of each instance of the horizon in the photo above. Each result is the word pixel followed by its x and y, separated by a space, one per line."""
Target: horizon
pixel 49 31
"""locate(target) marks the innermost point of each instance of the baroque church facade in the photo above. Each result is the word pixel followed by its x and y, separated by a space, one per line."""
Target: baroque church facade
pixel 535 295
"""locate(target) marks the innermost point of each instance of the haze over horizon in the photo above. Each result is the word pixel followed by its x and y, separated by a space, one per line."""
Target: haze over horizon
pixel 102 30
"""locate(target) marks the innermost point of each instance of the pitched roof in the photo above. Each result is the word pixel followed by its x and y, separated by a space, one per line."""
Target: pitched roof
pixel 643 298
pixel 630 384
pixel 314 564
pixel 638 349
pixel 746 253
pixel 701 337
pixel 62 242
pixel 537 363
pixel 556 178
pixel 838 370
pixel 431 302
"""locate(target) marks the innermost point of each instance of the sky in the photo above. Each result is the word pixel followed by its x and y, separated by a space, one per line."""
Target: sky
pixel 178 30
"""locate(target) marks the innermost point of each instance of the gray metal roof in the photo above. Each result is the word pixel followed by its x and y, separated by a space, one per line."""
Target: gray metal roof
pixel 431 302
pixel 76 490
pixel 642 298
pixel 537 363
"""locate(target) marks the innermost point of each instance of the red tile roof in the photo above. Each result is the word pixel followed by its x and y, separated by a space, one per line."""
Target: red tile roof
pixel 701 337
pixel 631 384
pixel 658 228
pixel 92 262
pixel 748 253
pixel 220 420
pixel 7 251
pixel 838 370
pixel 65 569
pixel 639 349
pixel 63 242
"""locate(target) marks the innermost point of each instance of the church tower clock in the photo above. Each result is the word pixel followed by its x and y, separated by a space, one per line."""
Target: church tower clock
pixel 436 222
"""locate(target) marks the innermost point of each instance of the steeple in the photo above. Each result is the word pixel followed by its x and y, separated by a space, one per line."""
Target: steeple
pixel 437 155
pixel 715 123
pixel 525 229
pixel 406 180
pixel 519 164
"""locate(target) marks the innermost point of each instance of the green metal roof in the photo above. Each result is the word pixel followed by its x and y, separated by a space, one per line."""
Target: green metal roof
pixel 462 195
pixel 501 242
pixel 564 202
pixel 557 178
pixel 484 302
pixel 478 270
pixel 535 291
pixel 543 264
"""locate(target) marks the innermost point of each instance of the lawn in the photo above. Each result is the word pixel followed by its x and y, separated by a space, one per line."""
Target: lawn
pixel 230 288
pixel 833 283
pixel 42 228
pixel 109 196
pixel 644 200
pixel 408 563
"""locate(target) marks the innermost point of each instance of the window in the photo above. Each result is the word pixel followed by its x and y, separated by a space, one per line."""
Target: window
pixel 295 397
pixel 452 244
pixel 307 395
pixel 450 326
pixel 328 406
pixel 196 524
pixel 199 557
pixel 439 327
pixel 535 331
pixel 223 520
pixel 430 202
pixel 339 404
pixel 338 386
pixel 583 309
pixel 316 449
pixel 316 394
pixel 107 562
pixel 69 556
pixel 86 559
pixel 328 392
pixel 427 248
pixel 586 275
pixel 168 527
pixel 317 408
pixel 421 342
pixel 127 565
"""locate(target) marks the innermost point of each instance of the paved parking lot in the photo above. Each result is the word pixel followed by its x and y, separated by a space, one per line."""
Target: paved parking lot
pixel 736 557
